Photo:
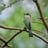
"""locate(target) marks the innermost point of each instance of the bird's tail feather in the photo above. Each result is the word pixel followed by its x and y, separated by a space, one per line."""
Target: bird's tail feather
pixel 30 34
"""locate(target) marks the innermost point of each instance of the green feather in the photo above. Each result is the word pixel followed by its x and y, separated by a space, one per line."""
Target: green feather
pixel 26 22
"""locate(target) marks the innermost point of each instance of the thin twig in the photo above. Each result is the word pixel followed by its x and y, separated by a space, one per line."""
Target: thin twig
pixel 41 15
pixel 4 41
pixel 36 35
pixel 20 30
pixel 40 37
pixel 1 39
pixel 12 38
pixel 9 28
pixel 37 22
pixel 9 4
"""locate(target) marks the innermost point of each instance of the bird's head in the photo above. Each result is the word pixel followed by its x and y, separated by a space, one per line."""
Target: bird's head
pixel 27 14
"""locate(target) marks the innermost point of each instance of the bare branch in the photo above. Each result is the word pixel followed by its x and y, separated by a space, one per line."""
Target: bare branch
pixel 41 14
pixel 9 28
pixel 4 41
pixel 12 37
pixel 36 35
pixel 21 30
pixel 9 5
pixel 37 22
pixel 40 37
pixel 1 39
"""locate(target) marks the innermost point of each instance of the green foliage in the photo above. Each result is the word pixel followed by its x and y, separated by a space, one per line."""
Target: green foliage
pixel 22 40
pixel 13 1
pixel 45 2
pixel 2 7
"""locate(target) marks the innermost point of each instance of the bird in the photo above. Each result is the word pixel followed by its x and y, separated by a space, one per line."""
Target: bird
pixel 27 22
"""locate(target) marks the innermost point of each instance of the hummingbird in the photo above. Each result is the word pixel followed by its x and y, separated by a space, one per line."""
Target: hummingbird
pixel 27 22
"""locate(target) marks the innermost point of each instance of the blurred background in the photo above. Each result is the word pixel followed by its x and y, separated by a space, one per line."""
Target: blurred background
pixel 13 16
